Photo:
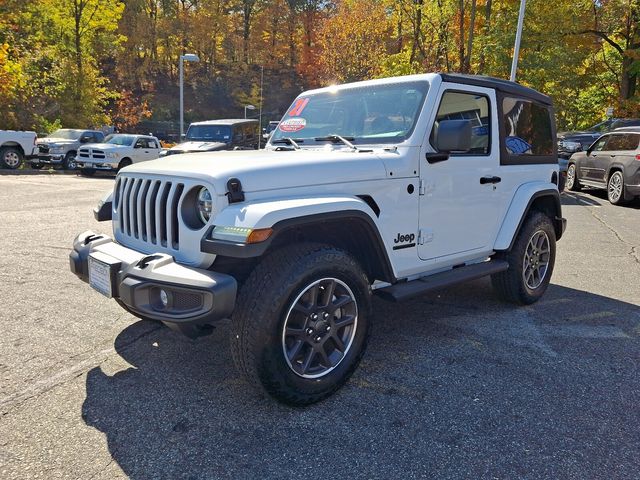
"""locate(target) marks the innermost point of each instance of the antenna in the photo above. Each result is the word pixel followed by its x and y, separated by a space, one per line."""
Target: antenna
pixel 260 114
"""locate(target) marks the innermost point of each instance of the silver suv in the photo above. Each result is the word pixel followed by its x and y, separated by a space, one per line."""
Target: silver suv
pixel 611 163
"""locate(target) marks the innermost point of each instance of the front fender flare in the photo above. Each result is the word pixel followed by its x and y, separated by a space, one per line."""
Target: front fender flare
pixel 520 205
pixel 284 214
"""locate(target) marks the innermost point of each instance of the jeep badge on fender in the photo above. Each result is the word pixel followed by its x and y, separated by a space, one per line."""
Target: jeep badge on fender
pixel 293 255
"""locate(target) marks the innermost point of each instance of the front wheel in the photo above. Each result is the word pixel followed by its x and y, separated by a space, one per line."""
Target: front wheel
pixel 69 162
pixel 37 166
pixel 572 180
pixel 615 188
pixel 125 162
pixel 301 323
pixel 530 260
pixel 10 157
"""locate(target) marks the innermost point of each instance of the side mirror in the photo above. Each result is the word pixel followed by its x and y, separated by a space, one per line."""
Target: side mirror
pixel 453 136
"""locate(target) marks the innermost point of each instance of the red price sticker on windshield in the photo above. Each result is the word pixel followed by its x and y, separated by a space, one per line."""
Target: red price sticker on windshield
pixel 298 107
pixel 292 124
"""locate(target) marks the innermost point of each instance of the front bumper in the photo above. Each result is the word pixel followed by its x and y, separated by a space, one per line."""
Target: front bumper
pixel 195 296
pixel 52 158
pixel 96 165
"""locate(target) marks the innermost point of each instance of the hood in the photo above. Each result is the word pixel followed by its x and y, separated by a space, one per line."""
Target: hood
pixel 569 135
pixel 197 146
pixel 267 170
pixel 105 146
pixel 57 141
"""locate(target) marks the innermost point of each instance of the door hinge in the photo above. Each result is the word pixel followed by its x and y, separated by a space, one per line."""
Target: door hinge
pixel 421 187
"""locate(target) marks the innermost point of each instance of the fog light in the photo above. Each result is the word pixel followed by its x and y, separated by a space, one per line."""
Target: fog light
pixel 164 298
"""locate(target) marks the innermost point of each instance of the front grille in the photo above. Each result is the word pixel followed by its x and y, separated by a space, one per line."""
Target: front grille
pixel 97 154
pixel 83 153
pixel 43 148
pixel 147 210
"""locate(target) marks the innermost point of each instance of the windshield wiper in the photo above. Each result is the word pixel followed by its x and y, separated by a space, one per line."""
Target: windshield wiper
pixel 289 141
pixel 333 138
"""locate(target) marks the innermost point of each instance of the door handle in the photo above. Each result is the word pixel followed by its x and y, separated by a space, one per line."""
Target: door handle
pixel 494 179
pixel 612 155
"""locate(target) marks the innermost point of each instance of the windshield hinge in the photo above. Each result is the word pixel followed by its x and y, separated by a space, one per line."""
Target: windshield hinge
pixel 421 187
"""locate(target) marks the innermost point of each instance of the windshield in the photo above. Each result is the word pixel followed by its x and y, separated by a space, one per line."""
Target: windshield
pixel 125 140
pixel 209 133
pixel 371 114
pixel 67 134
pixel 601 127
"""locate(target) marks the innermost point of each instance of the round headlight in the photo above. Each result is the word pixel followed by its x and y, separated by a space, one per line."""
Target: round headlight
pixel 204 205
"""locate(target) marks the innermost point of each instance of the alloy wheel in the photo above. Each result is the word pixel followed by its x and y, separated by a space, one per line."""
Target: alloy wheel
pixel 11 159
pixel 614 188
pixel 536 259
pixel 571 176
pixel 319 328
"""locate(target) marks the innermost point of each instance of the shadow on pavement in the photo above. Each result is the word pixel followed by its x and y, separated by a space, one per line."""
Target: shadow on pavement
pixel 453 385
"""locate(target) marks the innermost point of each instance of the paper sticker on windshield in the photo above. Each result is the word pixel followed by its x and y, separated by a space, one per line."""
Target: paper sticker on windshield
pixel 298 107
pixel 292 124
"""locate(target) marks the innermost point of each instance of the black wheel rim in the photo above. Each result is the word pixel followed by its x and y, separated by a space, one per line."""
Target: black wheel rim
pixel 536 259
pixel 319 328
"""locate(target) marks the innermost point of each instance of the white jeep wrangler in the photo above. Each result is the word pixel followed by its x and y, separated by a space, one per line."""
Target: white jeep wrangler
pixel 394 187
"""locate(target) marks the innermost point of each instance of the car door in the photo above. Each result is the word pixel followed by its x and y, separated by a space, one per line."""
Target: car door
pixel 592 167
pixel 459 205
pixel 623 150
pixel 143 149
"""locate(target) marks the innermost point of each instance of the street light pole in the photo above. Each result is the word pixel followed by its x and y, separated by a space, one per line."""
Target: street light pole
pixel 189 57
pixel 250 107
pixel 516 48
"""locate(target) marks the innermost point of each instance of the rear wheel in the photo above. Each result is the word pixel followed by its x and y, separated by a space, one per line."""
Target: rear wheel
pixel 11 157
pixel 302 323
pixel 531 262
pixel 615 188
pixel 572 180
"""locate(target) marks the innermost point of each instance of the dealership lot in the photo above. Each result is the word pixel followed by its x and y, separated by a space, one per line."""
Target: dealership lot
pixel 453 385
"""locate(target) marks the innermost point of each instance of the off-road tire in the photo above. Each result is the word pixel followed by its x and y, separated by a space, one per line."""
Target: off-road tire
pixel 510 285
pixel 37 166
pixel 572 182
pixel 11 157
pixel 263 304
pixel 69 162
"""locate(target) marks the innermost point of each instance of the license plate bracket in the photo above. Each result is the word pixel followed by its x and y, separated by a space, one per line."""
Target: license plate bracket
pixel 103 273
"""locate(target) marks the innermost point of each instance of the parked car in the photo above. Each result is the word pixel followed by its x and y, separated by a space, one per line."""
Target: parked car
pixel 61 147
pixel 215 135
pixel 118 150
pixel 268 130
pixel 572 142
pixel 15 146
pixel 612 163
pixel 395 186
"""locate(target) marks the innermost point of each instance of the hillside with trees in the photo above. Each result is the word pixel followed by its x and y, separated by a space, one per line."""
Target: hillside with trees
pixel 78 63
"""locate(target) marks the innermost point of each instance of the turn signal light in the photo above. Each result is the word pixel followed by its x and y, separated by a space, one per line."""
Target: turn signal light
pixel 638 157
pixel 259 235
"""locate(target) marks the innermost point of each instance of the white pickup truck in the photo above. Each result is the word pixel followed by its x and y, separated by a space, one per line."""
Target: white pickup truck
pixel 15 146
pixel 117 151
pixel 394 187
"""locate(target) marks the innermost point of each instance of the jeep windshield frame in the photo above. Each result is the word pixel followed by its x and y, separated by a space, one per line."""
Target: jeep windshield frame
pixel 368 114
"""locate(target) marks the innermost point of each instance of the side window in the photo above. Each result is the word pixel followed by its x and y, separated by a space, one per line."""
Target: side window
pixel 152 143
pixel 237 133
pixel 140 143
pixel 528 127
pixel 600 144
pixel 250 131
pixel 98 137
pixel 623 142
pixel 466 106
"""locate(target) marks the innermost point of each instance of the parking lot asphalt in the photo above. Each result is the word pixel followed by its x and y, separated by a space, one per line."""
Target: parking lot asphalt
pixel 453 385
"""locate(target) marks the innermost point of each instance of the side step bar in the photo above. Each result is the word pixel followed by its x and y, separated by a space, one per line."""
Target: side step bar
pixel 406 290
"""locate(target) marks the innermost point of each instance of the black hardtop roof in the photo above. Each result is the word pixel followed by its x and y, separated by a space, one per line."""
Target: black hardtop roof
pixel 505 86
pixel 226 121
